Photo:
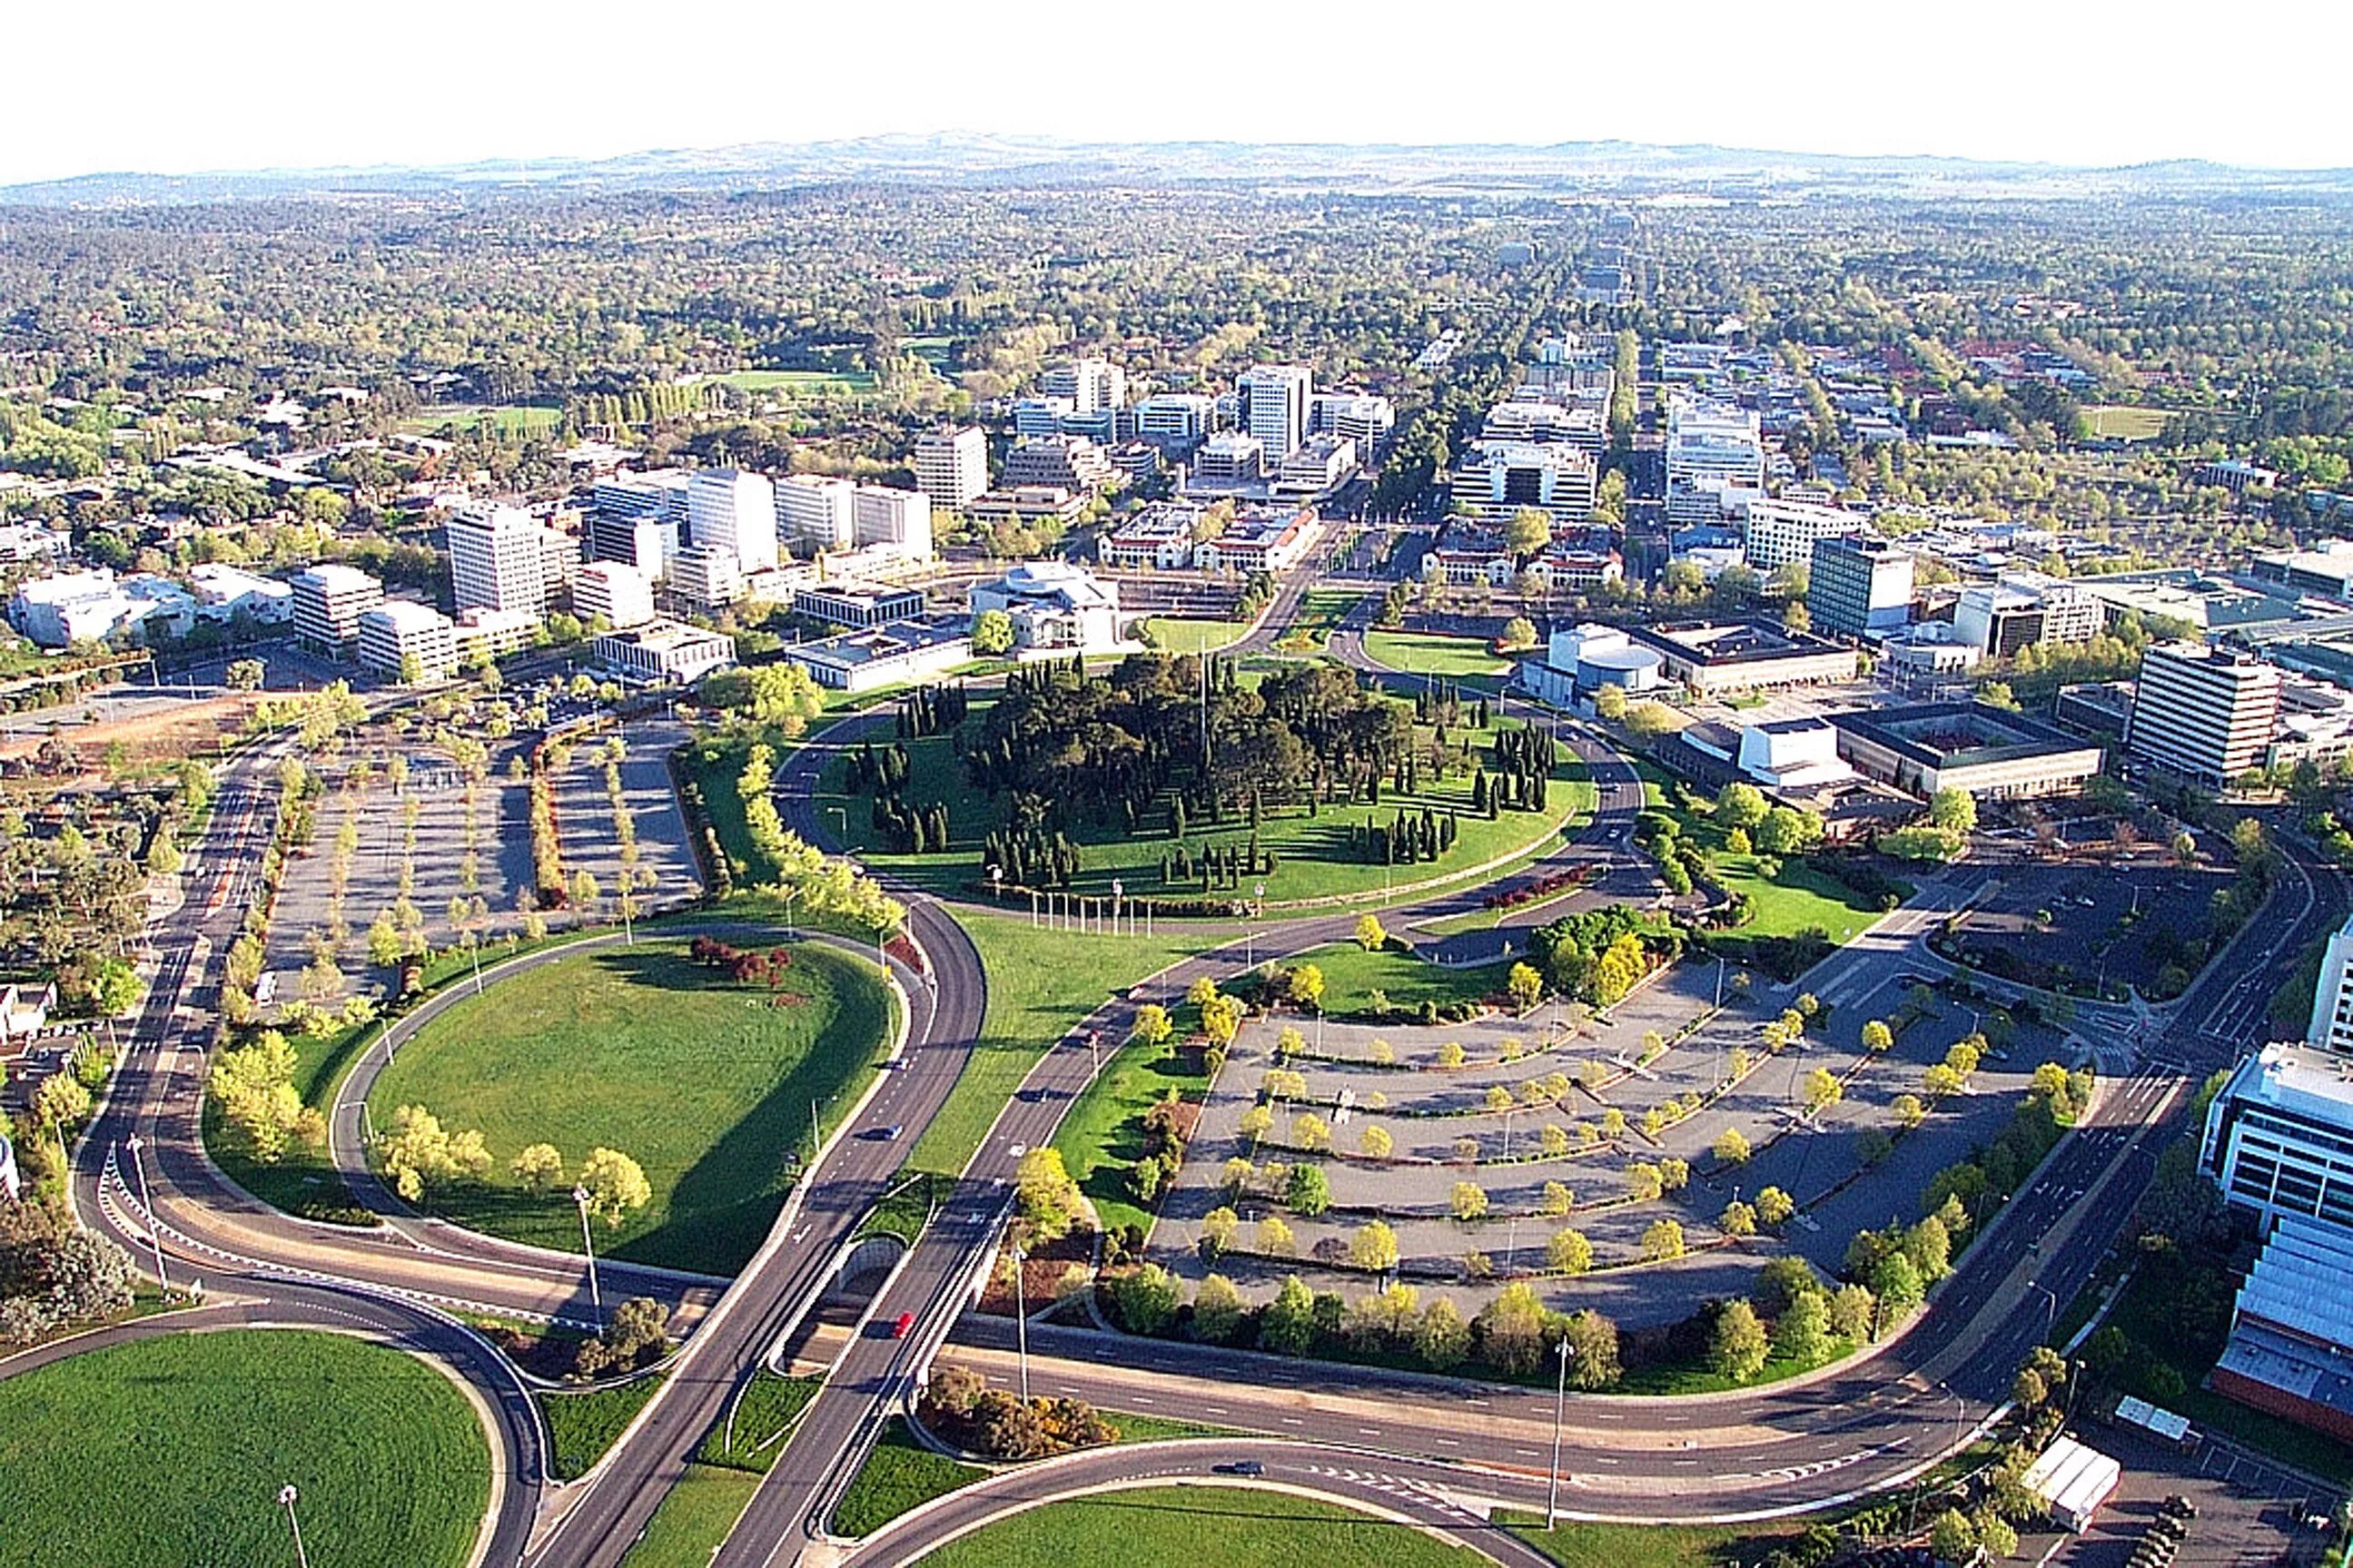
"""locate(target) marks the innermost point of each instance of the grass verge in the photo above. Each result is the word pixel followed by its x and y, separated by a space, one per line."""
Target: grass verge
pixel 694 1518
pixel 898 1475
pixel 581 1426
pixel 1198 1524
pixel 763 1416
pixel 122 1455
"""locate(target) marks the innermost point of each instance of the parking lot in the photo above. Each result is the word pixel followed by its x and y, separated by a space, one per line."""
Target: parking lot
pixel 2094 929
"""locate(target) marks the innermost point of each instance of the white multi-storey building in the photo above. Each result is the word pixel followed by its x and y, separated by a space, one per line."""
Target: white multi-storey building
pixel 402 640
pixel 2022 608
pixel 1071 462
pixel 1711 447
pixel 952 465
pixel 1041 415
pixel 732 509
pixel 329 600
pixel 707 578
pixel 615 591
pixel 1359 417
pixel 1090 384
pixel 663 653
pixel 497 560
pixel 640 519
pixel 1274 400
pixel 1497 478
pixel 819 512
pixel 1784 533
pixel 2331 1028
pixel 898 520
pixel 2202 711
pixel 1528 415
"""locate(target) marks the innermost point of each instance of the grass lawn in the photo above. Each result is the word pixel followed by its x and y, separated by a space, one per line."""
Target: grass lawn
pixel 1576 1545
pixel 763 1416
pixel 1698 1377
pixel 1319 610
pixel 122 1457
pixel 1799 898
pixel 1198 1524
pixel 1351 976
pixel 694 1517
pixel 1103 1135
pixel 898 1475
pixel 2124 422
pixel 1315 857
pixel 1423 653
pixel 303 1180
pixel 507 419
pixel 581 1426
pixel 1040 982
pixel 818 381
pixel 702 1081
pixel 1181 637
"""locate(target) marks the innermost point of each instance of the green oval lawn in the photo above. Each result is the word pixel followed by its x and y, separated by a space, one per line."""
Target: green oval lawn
pixel 1197 1524
pixel 703 1082
pixel 168 1453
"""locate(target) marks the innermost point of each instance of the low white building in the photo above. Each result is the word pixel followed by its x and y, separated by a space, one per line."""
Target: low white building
pixel 614 590
pixel 94 606
pixel 663 653
pixel 886 656
pixel 1793 756
pixel 1580 660
pixel 1054 605
pixel 226 592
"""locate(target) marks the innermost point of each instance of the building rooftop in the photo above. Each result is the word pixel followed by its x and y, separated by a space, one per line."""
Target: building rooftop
pixel 1730 642
pixel 872 644
pixel 404 615
pixel 664 635
pixel 1957 734
pixel 334 577
pixel 2295 1078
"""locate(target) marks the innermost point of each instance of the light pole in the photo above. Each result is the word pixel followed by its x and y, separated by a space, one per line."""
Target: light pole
pixel 286 1497
pixel 1094 1049
pixel 1021 1319
pixel 2051 1316
pixel 1118 892
pixel 596 1296
pixel 1559 1409
pixel 996 883
pixel 155 1233
pixel 790 894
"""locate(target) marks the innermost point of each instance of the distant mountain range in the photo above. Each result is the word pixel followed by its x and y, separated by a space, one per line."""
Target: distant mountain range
pixel 1632 171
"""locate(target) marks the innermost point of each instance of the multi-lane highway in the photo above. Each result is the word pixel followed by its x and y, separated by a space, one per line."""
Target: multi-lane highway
pixel 1781 1448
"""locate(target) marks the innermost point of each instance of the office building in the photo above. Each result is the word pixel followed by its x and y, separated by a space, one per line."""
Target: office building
pixel 329 600
pixel 1991 753
pixel 497 560
pixel 1496 478
pixel 1859 586
pixel 1230 458
pixel 1029 506
pixel 1358 417
pixel 1580 660
pixel 2201 711
pixel 1712 447
pixel 952 465
pixel 1319 465
pixel 731 509
pixel 899 521
pixel 1743 655
pixel 818 512
pixel 80 607
pixel 706 578
pixel 1089 384
pixel 1160 535
pixel 616 592
pixel 2022 608
pixel 1035 416
pixel 1177 421
pixel 1259 539
pixel 857 604
pixel 2331 1028
pixel 1531 415
pixel 1782 532
pixel 1069 462
pixel 884 656
pixel 1273 403
pixel 478 635
pixel 663 653
pixel 658 497
pixel 404 641
pixel 229 594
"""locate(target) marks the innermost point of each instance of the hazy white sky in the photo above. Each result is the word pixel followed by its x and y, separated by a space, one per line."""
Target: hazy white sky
pixel 174 85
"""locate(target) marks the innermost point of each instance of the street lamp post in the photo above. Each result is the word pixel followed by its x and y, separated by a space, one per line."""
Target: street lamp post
pixel 286 1499
pixel 996 883
pixel 596 1296
pixel 155 1233
pixel 1021 1319
pixel 1559 1409
pixel 1118 893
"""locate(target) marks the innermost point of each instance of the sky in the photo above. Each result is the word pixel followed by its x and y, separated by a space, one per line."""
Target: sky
pixel 167 86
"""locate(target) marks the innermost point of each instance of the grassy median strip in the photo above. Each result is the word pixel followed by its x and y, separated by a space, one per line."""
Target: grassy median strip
pixel 694 1518
pixel 763 1414
pixel 898 1475
pixel 1575 1545
pixel 1040 982
pixel 582 1425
